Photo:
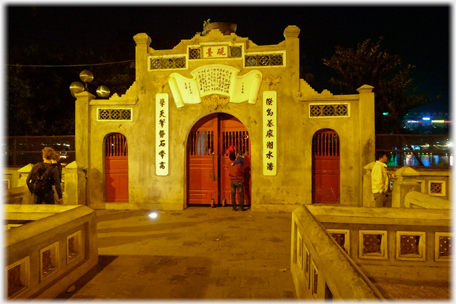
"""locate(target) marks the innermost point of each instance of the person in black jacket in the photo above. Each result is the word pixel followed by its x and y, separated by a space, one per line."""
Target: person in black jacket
pixel 48 198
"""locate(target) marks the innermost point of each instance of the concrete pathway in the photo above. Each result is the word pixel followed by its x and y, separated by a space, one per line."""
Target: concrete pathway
pixel 198 253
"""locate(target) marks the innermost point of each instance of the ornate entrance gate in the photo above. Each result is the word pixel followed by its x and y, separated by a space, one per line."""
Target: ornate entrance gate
pixel 116 168
pixel 207 153
pixel 325 167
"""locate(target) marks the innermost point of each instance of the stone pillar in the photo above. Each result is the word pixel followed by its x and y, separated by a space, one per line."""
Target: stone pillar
pixel 406 182
pixel 368 197
pixel 82 130
pixel 23 173
pixel 75 185
pixel 291 34
pixel 22 182
pixel 142 46
pixel 366 129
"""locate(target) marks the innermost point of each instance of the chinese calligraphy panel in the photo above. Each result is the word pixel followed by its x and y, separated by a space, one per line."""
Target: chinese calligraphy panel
pixel 162 134
pixel 217 51
pixel 270 133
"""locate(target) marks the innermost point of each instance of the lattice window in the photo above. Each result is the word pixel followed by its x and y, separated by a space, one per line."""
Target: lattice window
pixel 325 143
pixel 74 246
pixel 167 63
pixel 332 110
pixel 264 60
pixel 443 248
pixel 115 114
pixel 314 279
pixel 236 51
pixel 195 53
pixel 18 277
pixel 342 238
pixel 14 280
pixel 201 143
pixel 299 246
pixel 179 62
pixel 437 188
pixel 116 145
pixel 410 245
pixel 49 260
pixel 372 244
pixel 276 60
pixel 239 140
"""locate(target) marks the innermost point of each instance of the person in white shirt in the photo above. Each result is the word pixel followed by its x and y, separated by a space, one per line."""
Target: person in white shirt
pixel 380 180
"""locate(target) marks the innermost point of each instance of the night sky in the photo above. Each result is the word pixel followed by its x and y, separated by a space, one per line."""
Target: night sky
pixel 419 34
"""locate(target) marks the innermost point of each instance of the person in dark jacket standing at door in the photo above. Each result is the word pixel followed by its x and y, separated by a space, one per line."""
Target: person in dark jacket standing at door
pixel 236 174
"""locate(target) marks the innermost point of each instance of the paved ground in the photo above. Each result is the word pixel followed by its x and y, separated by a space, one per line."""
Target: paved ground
pixel 198 253
pixel 414 291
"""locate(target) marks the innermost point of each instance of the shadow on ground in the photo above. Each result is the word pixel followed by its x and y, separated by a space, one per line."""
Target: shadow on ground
pixel 143 277
pixel 103 262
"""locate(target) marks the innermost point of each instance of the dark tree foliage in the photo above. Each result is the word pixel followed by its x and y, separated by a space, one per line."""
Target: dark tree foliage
pixel 393 86
pixel 38 98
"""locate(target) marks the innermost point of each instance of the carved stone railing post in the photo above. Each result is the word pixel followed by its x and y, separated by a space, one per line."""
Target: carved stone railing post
pixel 406 182
pixel 23 173
pixel 368 197
pixel 22 182
pixel 75 185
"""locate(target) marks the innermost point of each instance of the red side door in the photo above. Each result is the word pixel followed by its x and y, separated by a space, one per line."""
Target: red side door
pixel 325 167
pixel 202 153
pixel 116 168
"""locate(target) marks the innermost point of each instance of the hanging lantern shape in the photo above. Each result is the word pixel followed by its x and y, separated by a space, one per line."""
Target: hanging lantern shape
pixel 76 87
pixel 103 91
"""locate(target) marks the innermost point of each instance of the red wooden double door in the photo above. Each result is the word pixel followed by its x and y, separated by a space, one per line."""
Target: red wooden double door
pixel 208 146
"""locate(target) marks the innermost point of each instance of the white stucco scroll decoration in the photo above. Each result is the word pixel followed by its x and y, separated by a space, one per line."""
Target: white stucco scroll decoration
pixel 215 79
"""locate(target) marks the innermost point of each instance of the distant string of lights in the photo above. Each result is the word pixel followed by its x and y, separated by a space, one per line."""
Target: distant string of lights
pixel 65 65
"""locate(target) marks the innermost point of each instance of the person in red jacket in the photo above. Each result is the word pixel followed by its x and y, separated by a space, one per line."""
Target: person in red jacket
pixel 236 174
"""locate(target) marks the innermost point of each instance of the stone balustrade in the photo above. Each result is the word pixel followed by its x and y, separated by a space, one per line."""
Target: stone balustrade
pixel 73 185
pixel 47 248
pixel 435 183
pixel 319 268
pixel 376 240
pixel 415 199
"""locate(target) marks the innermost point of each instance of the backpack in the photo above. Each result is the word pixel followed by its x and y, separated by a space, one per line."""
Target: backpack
pixel 41 182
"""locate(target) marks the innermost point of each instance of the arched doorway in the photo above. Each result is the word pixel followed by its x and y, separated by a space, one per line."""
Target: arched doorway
pixel 116 168
pixel 325 167
pixel 208 143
